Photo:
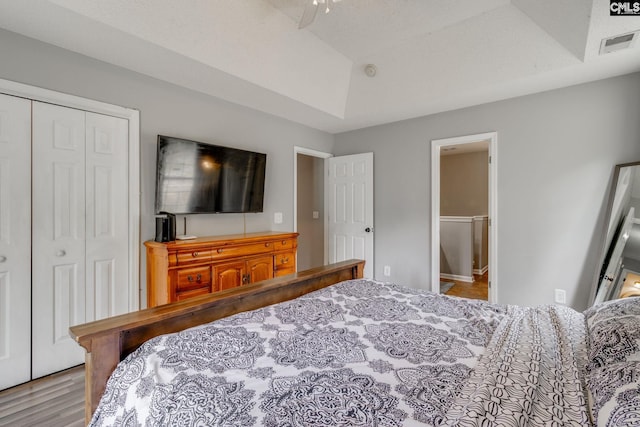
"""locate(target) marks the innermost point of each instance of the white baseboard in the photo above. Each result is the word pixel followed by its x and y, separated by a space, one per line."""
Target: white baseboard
pixel 468 279
pixel 481 272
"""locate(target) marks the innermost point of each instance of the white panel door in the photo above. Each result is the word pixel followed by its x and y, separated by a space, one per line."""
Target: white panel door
pixel 58 239
pixel 15 241
pixel 107 213
pixel 350 185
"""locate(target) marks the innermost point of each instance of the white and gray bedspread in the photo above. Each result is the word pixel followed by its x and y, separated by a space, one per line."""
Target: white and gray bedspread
pixel 360 353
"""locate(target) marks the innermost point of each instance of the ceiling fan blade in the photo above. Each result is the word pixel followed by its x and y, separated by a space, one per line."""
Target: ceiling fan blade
pixel 308 15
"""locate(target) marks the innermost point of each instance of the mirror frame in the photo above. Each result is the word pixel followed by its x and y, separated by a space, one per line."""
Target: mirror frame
pixel 605 229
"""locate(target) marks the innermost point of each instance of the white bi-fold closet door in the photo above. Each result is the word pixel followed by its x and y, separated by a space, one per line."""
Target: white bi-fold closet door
pixel 71 215
pixel 15 240
pixel 79 214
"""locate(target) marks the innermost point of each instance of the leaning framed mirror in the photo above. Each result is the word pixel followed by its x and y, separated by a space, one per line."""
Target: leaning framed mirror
pixel 618 273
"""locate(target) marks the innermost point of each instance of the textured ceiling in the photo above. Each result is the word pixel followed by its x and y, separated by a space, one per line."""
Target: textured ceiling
pixel 431 55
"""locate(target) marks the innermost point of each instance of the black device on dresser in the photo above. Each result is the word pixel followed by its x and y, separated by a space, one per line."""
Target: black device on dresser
pixel 165 227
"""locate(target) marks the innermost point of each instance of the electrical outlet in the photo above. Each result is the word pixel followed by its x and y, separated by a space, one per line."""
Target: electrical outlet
pixel 387 270
pixel 277 218
pixel 560 296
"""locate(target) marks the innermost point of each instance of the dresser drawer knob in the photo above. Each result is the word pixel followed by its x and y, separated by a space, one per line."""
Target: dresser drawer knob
pixel 285 260
pixel 267 244
pixel 284 242
pixel 195 254
pixel 220 250
pixel 197 279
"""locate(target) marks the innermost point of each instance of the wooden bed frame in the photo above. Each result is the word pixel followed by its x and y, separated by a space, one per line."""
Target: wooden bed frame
pixel 109 341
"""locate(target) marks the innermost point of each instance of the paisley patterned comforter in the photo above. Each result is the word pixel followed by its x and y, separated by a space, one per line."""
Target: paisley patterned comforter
pixel 360 353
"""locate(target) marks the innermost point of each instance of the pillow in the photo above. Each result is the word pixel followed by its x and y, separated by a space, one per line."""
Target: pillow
pixel 613 364
pixel 615 394
pixel 614 308
pixel 613 340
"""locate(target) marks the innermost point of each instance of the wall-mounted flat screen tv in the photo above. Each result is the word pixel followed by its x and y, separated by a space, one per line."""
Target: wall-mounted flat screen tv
pixel 196 178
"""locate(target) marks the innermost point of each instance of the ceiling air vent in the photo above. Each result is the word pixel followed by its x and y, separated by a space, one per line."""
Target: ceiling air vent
pixel 623 41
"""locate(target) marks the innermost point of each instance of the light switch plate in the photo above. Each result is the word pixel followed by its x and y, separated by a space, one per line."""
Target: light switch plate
pixel 277 218
pixel 316 214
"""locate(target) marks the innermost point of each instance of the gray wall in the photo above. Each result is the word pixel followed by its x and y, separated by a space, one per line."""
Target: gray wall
pixel 170 110
pixel 556 153
pixel 456 249
pixel 481 244
pixel 310 199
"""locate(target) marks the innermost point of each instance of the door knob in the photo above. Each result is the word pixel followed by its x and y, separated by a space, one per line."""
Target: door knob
pixel 3 258
pixel 61 253
pixel 368 229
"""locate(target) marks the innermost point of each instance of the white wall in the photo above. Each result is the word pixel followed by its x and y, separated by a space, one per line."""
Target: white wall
pixel 556 153
pixel 170 110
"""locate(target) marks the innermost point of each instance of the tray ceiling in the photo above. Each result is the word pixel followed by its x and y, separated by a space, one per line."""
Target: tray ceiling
pixel 431 55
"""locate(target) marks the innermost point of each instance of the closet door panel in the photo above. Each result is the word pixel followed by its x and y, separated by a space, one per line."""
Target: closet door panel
pixel 59 288
pixel 15 241
pixel 107 216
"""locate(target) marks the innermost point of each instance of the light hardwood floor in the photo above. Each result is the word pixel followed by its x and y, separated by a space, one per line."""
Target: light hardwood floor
pixel 53 401
pixel 479 289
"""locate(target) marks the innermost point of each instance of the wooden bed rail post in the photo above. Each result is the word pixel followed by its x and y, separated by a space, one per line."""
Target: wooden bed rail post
pixel 100 361
pixel 110 340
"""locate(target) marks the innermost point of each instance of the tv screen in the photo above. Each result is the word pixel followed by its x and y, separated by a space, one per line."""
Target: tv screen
pixel 194 177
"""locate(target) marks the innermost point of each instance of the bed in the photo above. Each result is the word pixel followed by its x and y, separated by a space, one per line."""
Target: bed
pixel 351 351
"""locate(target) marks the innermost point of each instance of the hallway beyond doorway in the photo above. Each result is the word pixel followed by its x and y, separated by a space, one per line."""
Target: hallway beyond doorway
pixel 478 289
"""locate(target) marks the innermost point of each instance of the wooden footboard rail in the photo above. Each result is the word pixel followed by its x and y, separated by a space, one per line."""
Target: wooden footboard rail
pixel 109 341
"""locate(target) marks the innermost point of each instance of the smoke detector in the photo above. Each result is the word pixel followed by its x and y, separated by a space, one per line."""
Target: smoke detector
pixel 370 70
pixel 620 42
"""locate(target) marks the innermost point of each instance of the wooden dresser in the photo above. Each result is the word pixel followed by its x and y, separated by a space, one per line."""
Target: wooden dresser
pixel 186 268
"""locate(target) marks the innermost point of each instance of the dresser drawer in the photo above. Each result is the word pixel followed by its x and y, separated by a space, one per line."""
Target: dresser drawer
pixel 284 262
pixel 284 272
pixel 280 245
pixel 193 256
pixel 192 278
pixel 193 293
pixel 241 250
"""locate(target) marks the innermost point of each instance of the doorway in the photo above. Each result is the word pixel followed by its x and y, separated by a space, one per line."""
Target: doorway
pixel 309 217
pixel 333 198
pixel 464 206
pixel 350 209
